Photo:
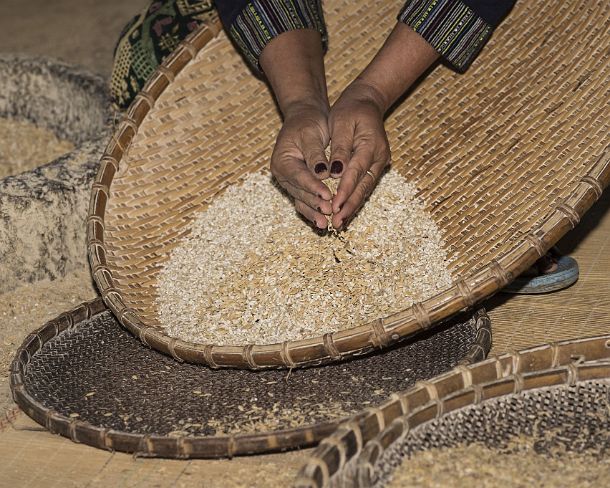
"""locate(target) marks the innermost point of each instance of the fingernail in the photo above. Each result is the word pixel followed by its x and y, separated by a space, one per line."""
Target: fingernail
pixel 336 167
pixel 320 168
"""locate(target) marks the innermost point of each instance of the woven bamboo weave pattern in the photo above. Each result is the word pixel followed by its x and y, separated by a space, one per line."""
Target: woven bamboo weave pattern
pixel 578 311
pixel 563 419
pixel 84 376
pixel 506 157
pixel 532 392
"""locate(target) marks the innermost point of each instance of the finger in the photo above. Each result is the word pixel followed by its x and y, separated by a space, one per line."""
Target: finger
pixel 356 170
pixel 305 180
pixel 309 199
pixel 312 147
pixel 362 191
pixel 290 170
pixel 341 143
pixel 316 218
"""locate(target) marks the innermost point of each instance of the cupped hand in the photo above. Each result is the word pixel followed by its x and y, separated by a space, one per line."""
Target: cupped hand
pixel 359 148
pixel 298 162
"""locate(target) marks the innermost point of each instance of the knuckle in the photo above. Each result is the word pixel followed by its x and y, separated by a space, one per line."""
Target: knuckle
pixel 313 157
pixel 340 150
pixel 302 181
pixel 368 185
pixel 297 194
pixel 309 200
pixel 359 172
pixel 274 166
pixel 365 189
pixel 280 179
pixel 300 207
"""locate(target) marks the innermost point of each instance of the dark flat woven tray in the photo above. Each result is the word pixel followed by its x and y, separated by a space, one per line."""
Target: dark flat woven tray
pixel 83 376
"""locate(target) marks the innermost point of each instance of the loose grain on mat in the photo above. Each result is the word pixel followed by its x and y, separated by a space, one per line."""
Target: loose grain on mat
pixel 251 271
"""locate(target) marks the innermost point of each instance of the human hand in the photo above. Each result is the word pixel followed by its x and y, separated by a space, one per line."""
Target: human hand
pixel 298 162
pixel 294 65
pixel 358 138
pixel 359 148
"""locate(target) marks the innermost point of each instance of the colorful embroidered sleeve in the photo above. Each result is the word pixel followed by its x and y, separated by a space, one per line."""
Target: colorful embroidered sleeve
pixel 252 24
pixel 457 29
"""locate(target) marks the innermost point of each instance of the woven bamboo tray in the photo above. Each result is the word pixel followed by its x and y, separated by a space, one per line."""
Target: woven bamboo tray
pixel 507 158
pixel 512 392
pixel 85 377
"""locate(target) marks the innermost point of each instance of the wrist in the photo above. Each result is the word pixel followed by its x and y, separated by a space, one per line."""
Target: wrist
pixel 294 66
pixel 404 57
pixel 366 90
pixel 300 106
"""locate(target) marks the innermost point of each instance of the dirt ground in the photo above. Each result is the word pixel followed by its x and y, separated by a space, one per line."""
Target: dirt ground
pixel 83 32
pixel 80 32
pixel 28 305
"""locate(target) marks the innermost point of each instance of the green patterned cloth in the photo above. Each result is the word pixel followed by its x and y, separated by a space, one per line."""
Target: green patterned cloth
pixel 148 38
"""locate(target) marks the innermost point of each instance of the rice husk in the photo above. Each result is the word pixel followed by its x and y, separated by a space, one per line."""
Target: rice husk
pixel 518 465
pixel 332 184
pixel 25 146
pixel 252 271
pixel 262 420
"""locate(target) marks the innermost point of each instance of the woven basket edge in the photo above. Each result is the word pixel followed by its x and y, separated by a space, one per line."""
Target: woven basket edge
pixel 464 294
pixel 153 446
pixel 507 374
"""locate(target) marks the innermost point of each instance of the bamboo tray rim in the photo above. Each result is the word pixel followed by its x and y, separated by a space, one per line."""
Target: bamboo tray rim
pixel 175 446
pixel 464 294
pixel 365 436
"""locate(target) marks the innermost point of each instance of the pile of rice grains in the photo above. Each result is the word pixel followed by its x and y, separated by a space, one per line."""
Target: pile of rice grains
pixel 25 146
pixel 252 271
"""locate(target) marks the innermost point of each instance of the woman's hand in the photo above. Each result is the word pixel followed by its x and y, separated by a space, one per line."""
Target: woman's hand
pixel 299 163
pixel 295 69
pixel 359 147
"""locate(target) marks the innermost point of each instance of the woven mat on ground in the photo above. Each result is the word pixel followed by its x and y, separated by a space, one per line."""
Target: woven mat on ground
pixel 581 310
pixel 90 380
pixel 507 158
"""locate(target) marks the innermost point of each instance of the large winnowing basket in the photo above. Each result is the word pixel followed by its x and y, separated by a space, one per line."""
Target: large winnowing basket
pixel 506 158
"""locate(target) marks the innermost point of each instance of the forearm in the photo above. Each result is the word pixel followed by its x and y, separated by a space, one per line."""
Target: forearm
pixel 294 65
pixel 404 57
